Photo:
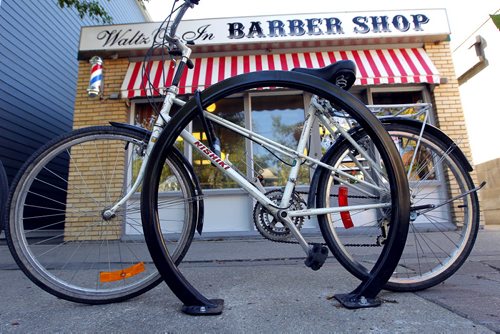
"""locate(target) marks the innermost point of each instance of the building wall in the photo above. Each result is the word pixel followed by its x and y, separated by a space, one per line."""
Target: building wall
pixel 448 104
pixel 101 111
pixel 39 70
pixel 446 97
pixel 90 112
pixel 490 205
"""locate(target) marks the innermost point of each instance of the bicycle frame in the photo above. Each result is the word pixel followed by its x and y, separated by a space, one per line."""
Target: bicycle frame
pixel 314 112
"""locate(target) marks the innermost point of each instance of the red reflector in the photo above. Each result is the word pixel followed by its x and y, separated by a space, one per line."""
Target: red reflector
pixel 345 215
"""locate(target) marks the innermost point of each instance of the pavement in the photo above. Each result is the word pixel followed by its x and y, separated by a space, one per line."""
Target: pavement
pixel 267 288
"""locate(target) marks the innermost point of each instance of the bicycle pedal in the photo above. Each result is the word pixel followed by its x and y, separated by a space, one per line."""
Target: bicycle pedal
pixel 316 257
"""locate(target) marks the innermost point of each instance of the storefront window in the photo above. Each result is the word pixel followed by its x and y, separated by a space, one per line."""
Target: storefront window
pixel 232 146
pixel 280 119
pixel 398 98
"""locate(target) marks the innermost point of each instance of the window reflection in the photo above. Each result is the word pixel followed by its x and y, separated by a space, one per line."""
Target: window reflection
pixel 232 145
pixel 279 118
pixel 145 116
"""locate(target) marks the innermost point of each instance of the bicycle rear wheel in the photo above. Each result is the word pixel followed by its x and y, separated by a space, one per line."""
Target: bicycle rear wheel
pixel 440 237
pixel 57 230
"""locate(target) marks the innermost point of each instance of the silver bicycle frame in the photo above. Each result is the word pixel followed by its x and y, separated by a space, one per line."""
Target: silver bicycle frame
pixel 315 111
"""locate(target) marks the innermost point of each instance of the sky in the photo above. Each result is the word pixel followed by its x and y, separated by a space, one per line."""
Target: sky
pixel 464 18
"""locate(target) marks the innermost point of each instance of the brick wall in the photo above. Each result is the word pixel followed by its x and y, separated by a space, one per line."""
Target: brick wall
pixel 448 105
pixel 97 111
pixel 447 102
pixel 91 190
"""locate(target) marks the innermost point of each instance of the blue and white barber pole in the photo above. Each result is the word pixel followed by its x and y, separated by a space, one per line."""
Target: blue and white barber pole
pixel 95 85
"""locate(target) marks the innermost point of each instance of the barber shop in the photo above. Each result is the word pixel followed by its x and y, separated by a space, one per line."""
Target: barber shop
pixel 403 60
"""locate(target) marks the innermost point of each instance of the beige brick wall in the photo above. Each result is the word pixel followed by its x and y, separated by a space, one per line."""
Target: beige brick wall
pixel 448 105
pixel 90 191
pixel 95 111
pixel 447 102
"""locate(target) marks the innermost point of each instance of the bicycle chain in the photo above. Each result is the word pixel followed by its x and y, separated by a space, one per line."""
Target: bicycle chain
pixel 323 243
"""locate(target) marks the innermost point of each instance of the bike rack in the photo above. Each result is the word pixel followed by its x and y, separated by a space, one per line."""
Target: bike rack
pixel 194 302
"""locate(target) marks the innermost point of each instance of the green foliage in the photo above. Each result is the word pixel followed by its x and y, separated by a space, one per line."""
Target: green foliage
pixel 91 8
pixel 496 20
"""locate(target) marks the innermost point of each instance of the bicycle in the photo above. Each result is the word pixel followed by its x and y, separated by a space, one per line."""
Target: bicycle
pixel 192 196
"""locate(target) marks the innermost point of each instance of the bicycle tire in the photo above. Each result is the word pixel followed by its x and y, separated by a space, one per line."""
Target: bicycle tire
pixel 4 193
pixel 71 180
pixel 436 247
pixel 399 203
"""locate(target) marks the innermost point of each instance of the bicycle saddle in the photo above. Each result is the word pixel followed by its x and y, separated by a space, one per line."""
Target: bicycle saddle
pixel 341 73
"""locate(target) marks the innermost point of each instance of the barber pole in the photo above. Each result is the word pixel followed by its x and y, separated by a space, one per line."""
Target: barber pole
pixel 95 85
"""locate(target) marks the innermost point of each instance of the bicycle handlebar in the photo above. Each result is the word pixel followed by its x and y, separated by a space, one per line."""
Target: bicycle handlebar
pixel 187 4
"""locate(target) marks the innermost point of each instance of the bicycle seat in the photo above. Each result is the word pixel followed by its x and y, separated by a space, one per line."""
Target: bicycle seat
pixel 341 73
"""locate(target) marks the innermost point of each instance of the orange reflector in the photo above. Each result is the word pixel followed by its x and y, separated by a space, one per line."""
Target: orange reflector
pixel 345 215
pixel 112 276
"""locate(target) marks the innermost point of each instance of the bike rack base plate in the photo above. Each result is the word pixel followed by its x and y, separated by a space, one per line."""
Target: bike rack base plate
pixel 215 308
pixel 355 301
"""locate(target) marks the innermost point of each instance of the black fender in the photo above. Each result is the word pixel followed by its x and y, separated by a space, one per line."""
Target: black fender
pixel 386 264
pixel 432 130
pixel 189 168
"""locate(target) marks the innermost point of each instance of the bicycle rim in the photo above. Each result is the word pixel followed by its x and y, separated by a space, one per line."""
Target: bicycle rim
pixel 58 233
pixel 440 238
pixel 357 237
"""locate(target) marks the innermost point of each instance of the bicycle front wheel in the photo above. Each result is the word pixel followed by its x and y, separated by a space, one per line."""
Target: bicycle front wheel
pixel 444 216
pixel 58 230
pixel 4 192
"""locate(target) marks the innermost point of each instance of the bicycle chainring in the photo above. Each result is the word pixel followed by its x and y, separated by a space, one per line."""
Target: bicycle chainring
pixel 268 226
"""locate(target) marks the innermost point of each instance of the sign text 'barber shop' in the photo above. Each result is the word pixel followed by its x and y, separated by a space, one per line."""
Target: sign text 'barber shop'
pixel 282 28
pixel 329 26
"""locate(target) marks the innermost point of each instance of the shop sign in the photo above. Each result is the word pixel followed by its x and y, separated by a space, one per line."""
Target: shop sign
pixel 265 29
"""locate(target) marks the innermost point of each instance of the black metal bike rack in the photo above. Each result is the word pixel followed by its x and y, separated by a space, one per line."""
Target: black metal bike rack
pixel 194 302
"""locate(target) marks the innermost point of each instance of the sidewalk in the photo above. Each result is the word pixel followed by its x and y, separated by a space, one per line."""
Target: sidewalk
pixel 267 289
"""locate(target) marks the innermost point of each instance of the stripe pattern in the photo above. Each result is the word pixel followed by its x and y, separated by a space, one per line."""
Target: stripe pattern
pixel 375 67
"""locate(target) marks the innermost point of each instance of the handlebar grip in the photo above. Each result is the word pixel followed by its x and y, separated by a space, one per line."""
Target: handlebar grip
pixel 194 2
pixel 189 63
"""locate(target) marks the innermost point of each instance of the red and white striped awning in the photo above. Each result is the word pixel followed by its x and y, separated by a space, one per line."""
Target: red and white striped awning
pixel 375 67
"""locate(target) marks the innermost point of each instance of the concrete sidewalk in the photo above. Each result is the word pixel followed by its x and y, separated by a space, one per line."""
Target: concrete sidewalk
pixel 267 288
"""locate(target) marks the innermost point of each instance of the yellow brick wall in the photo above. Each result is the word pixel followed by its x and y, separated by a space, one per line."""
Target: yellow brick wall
pixel 447 103
pixel 95 111
pixel 90 190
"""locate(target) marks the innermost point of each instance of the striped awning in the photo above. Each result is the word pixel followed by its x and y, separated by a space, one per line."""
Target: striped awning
pixel 375 67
